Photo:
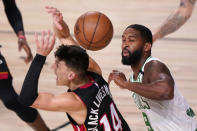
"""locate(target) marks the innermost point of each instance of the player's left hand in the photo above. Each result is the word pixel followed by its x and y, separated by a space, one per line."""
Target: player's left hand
pixel 118 77
pixel 57 16
pixel 45 45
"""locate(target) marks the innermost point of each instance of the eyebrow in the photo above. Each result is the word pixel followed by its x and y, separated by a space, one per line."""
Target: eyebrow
pixel 133 36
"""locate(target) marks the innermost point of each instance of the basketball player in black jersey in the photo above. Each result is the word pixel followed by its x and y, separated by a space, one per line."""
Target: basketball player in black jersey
pixel 88 101
pixel 8 95
pixel 9 98
pixel 16 22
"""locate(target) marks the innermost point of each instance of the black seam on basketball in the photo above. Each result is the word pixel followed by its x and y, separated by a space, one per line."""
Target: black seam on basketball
pixel 94 30
pixel 83 34
pixel 94 43
pixel 82 43
pixel 83 28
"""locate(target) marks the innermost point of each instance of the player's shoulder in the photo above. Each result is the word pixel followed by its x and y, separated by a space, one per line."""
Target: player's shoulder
pixel 97 78
pixel 69 97
pixel 155 67
pixel 94 75
pixel 154 64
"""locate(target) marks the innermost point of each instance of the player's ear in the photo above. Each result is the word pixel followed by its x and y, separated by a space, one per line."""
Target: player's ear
pixel 71 75
pixel 147 46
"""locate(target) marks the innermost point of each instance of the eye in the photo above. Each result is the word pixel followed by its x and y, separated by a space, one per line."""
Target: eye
pixel 56 64
pixel 123 39
pixel 131 40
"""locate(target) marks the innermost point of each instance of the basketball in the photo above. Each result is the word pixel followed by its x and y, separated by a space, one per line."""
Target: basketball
pixel 93 30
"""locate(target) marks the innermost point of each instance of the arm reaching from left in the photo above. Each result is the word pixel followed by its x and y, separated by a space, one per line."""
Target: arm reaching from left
pixel 159 83
pixel 29 92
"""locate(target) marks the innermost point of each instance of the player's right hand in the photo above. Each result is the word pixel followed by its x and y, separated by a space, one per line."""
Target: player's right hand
pixel 22 44
pixel 45 45
pixel 57 16
pixel 118 78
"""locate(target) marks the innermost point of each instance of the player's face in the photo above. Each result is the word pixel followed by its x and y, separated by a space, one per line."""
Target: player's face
pixel 132 47
pixel 62 72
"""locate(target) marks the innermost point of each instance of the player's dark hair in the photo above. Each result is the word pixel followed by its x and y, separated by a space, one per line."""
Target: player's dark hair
pixel 74 57
pixel 146 34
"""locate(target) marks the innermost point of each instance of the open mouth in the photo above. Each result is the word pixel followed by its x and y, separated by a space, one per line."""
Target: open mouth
pixel 125 52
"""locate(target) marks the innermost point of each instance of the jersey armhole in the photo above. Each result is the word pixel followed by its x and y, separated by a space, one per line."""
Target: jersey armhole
pixel 71 119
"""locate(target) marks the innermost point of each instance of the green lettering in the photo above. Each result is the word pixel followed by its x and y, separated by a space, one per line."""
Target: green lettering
pixel 147 122
pixel 190 112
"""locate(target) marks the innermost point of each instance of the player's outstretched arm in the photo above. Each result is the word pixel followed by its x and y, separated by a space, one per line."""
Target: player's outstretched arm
pixel 29 91
pixel 60 27
pixel 15 19
pixel 62 31
pixel 175 20
pixel 158 83
pixel 29 94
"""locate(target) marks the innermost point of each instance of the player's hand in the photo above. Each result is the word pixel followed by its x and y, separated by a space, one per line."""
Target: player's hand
pixel 22 44
pixel 57 16
pixel 46 44
pixel 118 77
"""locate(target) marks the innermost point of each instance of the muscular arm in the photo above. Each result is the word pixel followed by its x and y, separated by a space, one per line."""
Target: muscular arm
pixel 158 83
pixel 176 19
pixel 67 102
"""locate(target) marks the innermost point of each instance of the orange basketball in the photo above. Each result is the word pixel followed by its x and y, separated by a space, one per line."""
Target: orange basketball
pixel 93 30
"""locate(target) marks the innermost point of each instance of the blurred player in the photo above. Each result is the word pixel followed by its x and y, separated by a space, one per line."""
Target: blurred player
pixel 15 20
pixel 175 20
pixel 8 95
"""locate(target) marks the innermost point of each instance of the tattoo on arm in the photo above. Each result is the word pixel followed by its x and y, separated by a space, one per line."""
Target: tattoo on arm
pixel 173 23
pixel 192 2
pixel 176 19
pixel 182 4
pixel 185 3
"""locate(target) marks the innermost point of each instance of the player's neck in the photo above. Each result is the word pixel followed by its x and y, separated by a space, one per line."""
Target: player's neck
pixel 137 67
pixel 78 82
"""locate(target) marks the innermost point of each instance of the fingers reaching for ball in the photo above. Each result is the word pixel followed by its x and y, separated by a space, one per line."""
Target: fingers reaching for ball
pixel 57 16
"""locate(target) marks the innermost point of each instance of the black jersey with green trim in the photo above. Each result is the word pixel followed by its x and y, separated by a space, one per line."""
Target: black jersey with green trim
pixel 102 113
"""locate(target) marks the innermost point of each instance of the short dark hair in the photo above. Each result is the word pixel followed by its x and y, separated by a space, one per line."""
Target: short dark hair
pixel 74 57
pixel 144 31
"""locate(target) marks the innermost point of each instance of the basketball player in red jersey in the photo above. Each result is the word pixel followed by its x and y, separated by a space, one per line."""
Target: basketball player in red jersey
pixel 88 102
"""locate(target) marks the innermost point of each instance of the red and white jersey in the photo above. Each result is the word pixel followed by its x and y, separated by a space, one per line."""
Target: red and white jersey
pixel 102 113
